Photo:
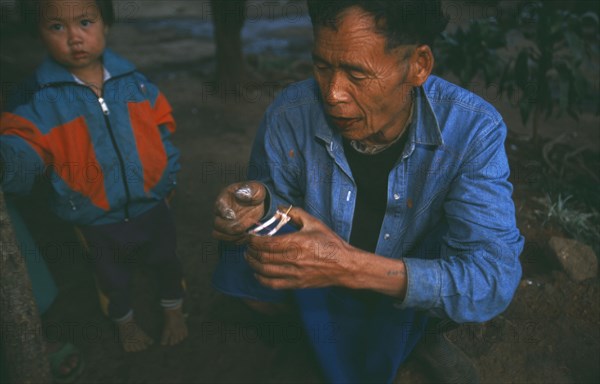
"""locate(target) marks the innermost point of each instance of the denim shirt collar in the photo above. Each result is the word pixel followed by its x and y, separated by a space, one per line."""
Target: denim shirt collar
pixel 424 129
pixel 51 72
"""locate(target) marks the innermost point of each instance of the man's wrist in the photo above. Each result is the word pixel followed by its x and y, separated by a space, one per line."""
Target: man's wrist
pixel 380 274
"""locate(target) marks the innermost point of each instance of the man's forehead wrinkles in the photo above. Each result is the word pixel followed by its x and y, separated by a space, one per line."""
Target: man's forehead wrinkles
pixel 356 63
pixel 360 58
pixel 347 44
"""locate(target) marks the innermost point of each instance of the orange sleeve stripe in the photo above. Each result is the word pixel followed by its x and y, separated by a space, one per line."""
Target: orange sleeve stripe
pixel 162 113
pixel 12 124
pixel 150 148
pixel 75 161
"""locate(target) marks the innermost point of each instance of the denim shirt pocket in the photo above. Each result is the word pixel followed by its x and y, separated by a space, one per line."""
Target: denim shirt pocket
pixel 316 211
pixel 430 203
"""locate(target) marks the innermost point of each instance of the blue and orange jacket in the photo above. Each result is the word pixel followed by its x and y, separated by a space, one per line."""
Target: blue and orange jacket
pixel 108 159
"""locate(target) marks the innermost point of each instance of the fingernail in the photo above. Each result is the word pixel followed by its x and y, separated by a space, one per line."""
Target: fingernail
pixel 229 214
pixel 244 192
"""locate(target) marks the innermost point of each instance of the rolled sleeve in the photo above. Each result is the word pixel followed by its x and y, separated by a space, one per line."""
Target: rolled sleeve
pixel 473 286
pixel 477 270
pixel 424 283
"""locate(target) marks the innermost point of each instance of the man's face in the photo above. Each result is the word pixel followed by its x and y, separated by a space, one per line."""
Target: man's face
pixel 73 32
pixel 365 89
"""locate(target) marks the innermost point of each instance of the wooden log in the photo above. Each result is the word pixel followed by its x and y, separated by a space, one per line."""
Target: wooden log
pixel 228 19
pixel 21 338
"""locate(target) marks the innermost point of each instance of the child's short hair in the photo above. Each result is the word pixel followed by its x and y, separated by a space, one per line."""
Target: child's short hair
pixel 31 12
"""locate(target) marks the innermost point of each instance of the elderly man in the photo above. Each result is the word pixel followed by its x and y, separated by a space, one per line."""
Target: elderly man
pixel 400 205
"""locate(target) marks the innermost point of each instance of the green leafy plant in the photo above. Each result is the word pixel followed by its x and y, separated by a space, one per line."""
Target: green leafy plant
pixel 471 51
pixel 546 70
pixel 581 225
pixel 540 69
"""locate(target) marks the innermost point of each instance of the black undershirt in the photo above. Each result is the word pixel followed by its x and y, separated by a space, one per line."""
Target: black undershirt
pixel 370 173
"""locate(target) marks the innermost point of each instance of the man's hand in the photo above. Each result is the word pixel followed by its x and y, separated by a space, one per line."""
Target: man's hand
pixel 238 207
pixel 315 257
pixel 312 257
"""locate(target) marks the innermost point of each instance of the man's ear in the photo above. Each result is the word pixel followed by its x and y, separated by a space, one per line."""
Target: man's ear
pixel 421 63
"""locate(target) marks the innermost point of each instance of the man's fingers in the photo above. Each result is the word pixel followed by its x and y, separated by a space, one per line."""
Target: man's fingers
pixel 252 253
pixel 279 243
pixel 244 193
pixel 270 270
pixel 249 193
pixel 281 250
pixel 239 200
pixel 299 217
pixel 223 210
pixel 274 283
pixel 235 222
pixel 237 239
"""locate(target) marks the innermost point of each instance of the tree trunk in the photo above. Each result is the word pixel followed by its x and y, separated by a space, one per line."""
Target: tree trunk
pixel 228 18
pixel 23 347
pixel 535 136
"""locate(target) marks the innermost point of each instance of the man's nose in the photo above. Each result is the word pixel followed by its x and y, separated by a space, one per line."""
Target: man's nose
pixel 337 89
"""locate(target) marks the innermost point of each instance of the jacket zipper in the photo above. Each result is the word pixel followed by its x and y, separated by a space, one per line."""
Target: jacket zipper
pixel 106 112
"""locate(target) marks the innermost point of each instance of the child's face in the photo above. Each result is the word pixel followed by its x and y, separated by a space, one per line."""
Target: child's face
pixel 73 32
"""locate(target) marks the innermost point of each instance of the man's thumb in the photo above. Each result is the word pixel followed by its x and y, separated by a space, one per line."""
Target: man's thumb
pixel 251 193
pixel 298 216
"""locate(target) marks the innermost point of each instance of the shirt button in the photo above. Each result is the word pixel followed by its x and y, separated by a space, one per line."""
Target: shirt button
pixel 386 236
pixel 396 196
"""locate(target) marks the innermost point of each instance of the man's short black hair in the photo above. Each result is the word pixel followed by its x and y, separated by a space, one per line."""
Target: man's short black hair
pixel 31 12
pixel 402 22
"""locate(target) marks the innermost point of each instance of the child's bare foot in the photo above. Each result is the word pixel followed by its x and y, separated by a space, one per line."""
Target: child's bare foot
pixel 131 336
pixel 65 361
pixel 175 329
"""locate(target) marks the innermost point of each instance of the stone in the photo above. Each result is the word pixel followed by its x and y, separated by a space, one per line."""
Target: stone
pixel 578 260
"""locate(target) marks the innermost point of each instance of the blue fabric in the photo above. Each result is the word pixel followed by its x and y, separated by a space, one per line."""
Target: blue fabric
pixel 51 99
pixel 449 217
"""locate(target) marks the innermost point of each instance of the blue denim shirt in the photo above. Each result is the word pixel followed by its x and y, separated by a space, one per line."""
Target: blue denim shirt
pixel 449 215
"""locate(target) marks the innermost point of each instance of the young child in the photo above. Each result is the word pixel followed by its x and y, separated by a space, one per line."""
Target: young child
pixel 98 131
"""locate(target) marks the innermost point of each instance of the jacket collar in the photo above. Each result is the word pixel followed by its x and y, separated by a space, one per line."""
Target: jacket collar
pixel 51 72
pixel 423 130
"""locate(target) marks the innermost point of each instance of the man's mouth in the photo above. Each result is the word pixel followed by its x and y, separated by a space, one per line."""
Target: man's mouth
pixel 343 122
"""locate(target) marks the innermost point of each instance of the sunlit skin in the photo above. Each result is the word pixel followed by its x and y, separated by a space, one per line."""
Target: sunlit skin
pixel 366 88
pixel 75 36
pixel 366 91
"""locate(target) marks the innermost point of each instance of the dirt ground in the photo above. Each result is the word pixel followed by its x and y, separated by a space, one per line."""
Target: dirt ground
pixel 549 334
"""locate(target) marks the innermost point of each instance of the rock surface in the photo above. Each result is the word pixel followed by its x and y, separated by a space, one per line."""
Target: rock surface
pixel 578 260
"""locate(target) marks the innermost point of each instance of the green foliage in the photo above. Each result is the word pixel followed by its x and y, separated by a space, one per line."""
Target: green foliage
pixel 582 225
pixel 467 52
pixel 546 71
pixel 542 71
